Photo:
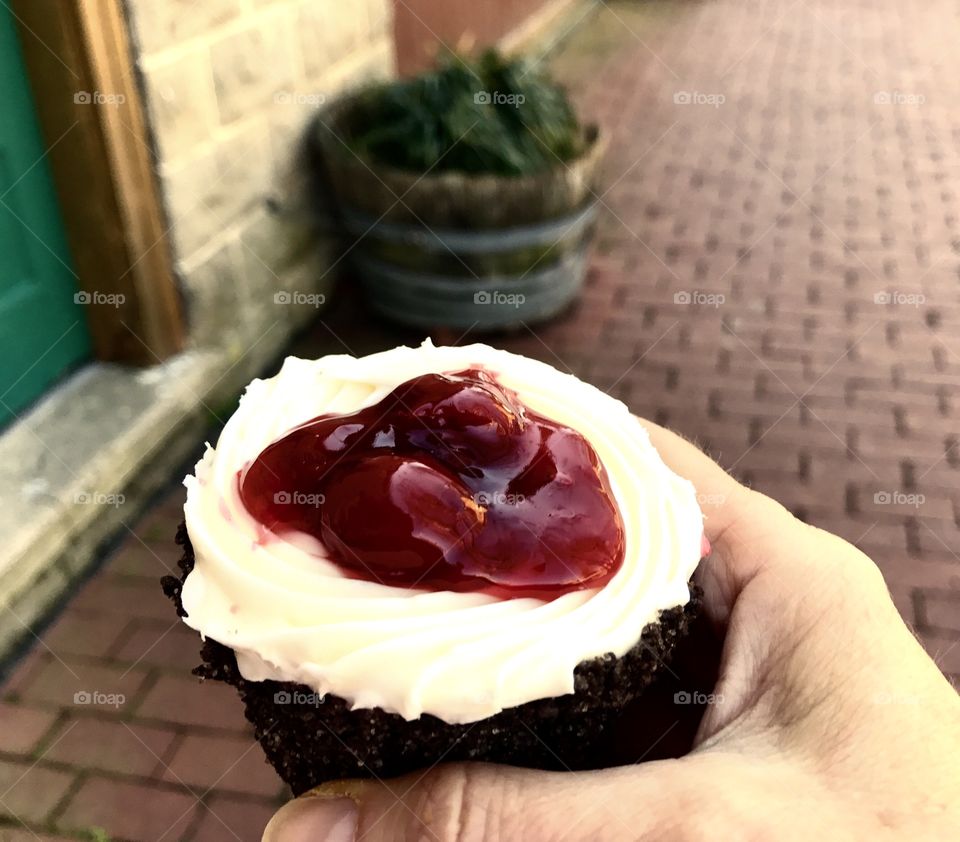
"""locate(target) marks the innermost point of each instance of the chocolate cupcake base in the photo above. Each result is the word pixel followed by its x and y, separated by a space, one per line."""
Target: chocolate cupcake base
pixel 311 739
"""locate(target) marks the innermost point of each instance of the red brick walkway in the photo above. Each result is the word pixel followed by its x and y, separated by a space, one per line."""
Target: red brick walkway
pixel 809 219
pixel 104 727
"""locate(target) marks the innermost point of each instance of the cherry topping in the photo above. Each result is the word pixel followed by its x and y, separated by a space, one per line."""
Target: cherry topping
pixel 448 483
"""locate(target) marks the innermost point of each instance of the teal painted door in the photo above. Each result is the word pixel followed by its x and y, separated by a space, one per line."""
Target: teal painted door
pixel 43 329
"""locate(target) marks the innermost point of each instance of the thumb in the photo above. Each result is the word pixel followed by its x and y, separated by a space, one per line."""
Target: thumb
pixel 477 801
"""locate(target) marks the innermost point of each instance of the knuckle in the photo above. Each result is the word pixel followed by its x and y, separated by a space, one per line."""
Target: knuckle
pixel 768 508
pixel 455 804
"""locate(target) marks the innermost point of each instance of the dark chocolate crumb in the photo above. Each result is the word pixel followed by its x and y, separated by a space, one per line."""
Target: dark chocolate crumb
pixel 309 741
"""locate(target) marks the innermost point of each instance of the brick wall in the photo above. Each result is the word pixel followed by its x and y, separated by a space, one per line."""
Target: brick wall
pixel 230 86
pixel 421 26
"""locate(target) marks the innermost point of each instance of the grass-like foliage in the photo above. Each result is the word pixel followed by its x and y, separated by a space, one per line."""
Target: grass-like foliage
pixel 486 115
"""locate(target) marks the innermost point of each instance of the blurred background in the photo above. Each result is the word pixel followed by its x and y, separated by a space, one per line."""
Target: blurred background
pixel 738 216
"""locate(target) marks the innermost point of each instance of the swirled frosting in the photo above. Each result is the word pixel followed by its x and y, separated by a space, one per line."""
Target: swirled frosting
pixel 290 614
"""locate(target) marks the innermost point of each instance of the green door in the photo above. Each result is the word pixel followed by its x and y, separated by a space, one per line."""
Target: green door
pixel 43 329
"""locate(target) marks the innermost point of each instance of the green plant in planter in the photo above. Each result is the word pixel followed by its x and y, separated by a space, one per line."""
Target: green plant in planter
pixel 467 191
pixel 486 115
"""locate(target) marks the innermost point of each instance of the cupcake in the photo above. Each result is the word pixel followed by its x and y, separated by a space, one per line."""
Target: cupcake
pixel 434 553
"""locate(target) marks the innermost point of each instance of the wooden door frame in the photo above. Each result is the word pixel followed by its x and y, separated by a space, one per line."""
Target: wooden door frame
pixel 80 66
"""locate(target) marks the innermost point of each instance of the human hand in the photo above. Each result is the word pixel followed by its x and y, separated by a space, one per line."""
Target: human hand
pixel 830 721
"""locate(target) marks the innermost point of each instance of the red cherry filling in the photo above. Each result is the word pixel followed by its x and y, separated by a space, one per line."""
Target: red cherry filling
pixel 448 483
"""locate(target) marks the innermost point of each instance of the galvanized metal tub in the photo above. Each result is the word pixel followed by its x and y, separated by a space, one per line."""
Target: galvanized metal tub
pixel 522 274
pixel 458 250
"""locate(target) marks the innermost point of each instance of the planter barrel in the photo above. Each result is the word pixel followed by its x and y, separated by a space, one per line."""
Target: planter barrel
pixel 533 291
pixel 458 250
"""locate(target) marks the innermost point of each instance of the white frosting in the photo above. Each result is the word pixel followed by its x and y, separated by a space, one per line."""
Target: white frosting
pixel 289 614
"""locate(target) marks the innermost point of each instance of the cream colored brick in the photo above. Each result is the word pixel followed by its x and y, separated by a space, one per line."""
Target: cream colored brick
pixel 294 118
pixel 360 68
pixel 212 294
pixel 181 102
pixel 314 37
pixel 209 193
pixel 292 128
pixel 163 23
pixel 287 275
pixel 314 274
pixel 193 198
pixel 245 164
pixel 252 66
pixel 273 243
pixel 270 248
pixel 292 167
pixel 231 110
pixel 263 343
pixel 288 125
pixel 329 32
pixel 379 18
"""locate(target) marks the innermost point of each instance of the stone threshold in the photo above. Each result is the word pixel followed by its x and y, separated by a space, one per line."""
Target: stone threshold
pixel 82 465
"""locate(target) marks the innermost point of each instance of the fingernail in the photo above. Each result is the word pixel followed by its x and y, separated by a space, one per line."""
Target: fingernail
pixel 316 818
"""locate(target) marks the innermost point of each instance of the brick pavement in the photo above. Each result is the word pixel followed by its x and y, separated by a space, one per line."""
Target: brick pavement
pixel 799 199
pixel 147 753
